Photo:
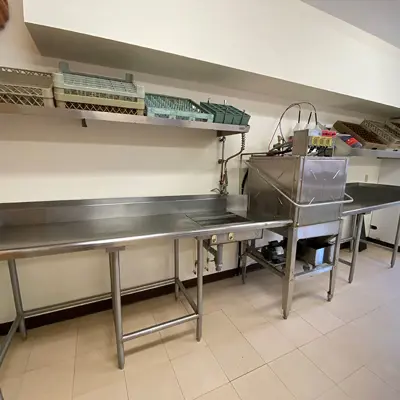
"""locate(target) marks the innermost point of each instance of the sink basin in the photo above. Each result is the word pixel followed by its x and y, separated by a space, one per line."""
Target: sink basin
pixel 206 220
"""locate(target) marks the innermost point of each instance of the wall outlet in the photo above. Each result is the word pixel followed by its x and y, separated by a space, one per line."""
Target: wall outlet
pixel 366 178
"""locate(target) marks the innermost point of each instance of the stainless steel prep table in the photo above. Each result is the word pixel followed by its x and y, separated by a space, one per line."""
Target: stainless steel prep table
pixel 44 228
pixel 368 197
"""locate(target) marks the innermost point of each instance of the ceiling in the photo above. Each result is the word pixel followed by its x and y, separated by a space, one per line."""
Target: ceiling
pixel 378 17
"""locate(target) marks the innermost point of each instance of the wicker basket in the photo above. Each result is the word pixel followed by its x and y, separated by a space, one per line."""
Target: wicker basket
pixel 368 139
pixel 385 133
pixel 394 126
pixel 96 90
pixel 25 87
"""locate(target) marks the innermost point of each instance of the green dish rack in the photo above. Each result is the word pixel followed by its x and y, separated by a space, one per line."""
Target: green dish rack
pixel 161 106
pixel 225 114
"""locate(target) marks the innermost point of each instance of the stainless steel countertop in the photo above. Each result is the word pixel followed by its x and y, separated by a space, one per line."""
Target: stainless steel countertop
pixel 370 197
pixel 35 229
pixel 67 237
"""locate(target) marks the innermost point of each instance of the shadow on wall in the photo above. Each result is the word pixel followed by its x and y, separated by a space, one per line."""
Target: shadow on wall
pixel 54 130
pixel 105 152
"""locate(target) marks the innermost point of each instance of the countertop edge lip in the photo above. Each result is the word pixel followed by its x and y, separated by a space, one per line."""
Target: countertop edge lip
pixel 72 247
pixel 369 209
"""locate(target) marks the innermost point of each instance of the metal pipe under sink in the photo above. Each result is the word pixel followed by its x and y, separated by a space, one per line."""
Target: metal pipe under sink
pixel 217 253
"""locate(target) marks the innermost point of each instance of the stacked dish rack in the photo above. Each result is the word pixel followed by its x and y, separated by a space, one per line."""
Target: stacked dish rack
pixel 226 114
pixel 372 134
pixel 25 87
pixel 84 92
pixel 387 132
pixel 162 106
pixel 368 139
pixel 97 93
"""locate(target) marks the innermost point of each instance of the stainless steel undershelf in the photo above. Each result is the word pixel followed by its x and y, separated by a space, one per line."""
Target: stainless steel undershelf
pixel 221 129
pixel 375 153
pixel 342 149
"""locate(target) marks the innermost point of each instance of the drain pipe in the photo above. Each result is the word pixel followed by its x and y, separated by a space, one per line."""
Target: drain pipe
pixel 218 254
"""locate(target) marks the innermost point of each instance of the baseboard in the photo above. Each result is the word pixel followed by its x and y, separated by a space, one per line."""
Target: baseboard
pixel 87 309
pixel 381 243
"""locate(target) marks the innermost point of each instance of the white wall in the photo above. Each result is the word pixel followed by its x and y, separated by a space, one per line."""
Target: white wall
pixel 50 159
pixel 285 39
pixel 386 220
pixel 377 17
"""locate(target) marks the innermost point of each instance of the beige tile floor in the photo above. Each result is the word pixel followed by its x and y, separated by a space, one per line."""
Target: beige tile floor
pixel 347 349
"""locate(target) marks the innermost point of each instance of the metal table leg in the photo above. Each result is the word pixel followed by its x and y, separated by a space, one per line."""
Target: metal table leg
pixel 288 279
pixel 356 245
pixel 17 296
pixel 396 245
pixel 335 262
pixel 353 232
pixel 110 260
pixel 243 260
pixel 176 265
pixel 117 309
pixel 200 266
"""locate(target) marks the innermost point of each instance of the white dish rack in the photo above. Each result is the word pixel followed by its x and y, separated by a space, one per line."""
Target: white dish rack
pixel 84 91
pixel 26 87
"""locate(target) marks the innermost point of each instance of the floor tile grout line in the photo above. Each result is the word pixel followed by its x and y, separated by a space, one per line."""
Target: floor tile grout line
pixel 353 373
pixel 383 380
pixel 76 353
pixel 242 334
pixel 245 338
pixel 283 383
pixel 324 333
pixel 210 391
pixel 177 380
pixel 216 360
pixel 307 324
pixel 248 372
pixel 233 387
pixel 308 358
pixel 126 386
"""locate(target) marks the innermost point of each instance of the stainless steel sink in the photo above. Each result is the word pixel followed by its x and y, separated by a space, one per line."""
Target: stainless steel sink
pixel 212 219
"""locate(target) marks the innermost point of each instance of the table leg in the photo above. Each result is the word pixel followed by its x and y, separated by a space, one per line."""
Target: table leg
pixel 200 266
pixel 176 265
pixel 110 260
pixel 17 296
pixel 335 262
pixel 396 245
pixel 117 308
pixel 356 246
pixel 353 232
pixel 243 260
pixel 288 279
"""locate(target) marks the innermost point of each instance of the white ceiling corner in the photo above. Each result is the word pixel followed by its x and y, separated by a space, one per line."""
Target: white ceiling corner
pixel 377 17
